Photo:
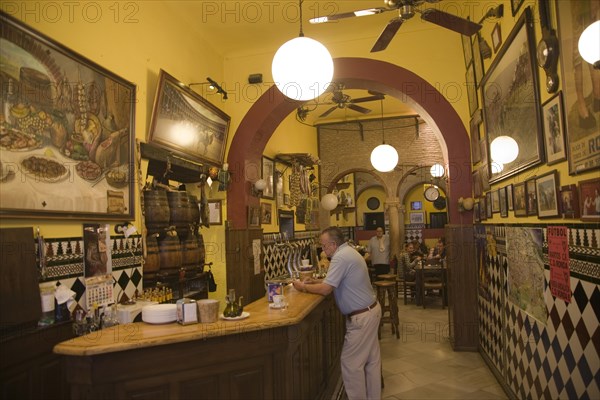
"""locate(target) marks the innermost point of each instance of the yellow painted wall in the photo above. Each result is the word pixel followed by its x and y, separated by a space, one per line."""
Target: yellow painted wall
pixel 361 203
pixel 416 194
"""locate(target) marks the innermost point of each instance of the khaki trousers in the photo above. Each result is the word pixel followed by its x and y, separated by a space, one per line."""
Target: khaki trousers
pixel 361 357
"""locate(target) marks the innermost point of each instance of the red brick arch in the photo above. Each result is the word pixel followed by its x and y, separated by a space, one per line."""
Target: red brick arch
pixel 272 108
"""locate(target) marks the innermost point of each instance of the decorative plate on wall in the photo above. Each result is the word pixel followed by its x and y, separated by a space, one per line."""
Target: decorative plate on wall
pixel 440 203
pixel 373 203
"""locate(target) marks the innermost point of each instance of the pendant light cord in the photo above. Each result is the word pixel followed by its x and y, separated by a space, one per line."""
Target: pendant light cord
pixel 300 4
pixel 382 125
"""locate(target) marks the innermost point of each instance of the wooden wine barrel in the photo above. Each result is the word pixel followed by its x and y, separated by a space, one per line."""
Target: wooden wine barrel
pixel 170 252
pixel 152 262
pixel 194 212
pixel 202 249
pixel 156 210
pixel 190 252
pixel 179 209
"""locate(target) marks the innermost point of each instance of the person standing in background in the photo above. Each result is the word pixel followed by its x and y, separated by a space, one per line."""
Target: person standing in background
pixel 348 279
pixel 378 252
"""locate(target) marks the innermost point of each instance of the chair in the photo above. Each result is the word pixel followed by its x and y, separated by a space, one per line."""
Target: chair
pixel 407 285
pixel 435 280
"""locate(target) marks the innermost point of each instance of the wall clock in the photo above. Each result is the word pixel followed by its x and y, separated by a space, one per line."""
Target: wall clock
pixel 440 203
pixel 431 193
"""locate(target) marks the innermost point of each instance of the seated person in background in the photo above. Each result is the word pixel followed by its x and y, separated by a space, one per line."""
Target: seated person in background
pixel 408 262
pixel 420 248
pixel 439 252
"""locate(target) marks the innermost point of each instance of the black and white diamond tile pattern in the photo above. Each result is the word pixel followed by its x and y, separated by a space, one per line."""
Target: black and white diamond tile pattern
pixel 412 233
pixel 276 257
pixel 64 259
pixel 552 359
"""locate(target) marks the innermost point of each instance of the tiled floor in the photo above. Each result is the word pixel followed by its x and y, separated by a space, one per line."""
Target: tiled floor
pixel 422 365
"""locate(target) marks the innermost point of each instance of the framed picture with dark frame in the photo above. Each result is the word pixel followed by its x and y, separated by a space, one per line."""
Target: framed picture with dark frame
pixel 513 79
pixel 496 37
pixel 577 86
pixel 68 136
pixel 215 212
pixel 178 108
pixel 554 131
pixel 509 196
pixel 467 49
pixel 475 133
pixel 268 174
pixel 477 59
pixel 471 89
pixel 253 217
pixel 520 199
pixel 488 205
pixel 531 193
pixel 476 212
pixel 482 208
pixel 495 201
pixel 503 202
pixel 546 187
pixel 266 213
pixel 589 198
pixel 569 201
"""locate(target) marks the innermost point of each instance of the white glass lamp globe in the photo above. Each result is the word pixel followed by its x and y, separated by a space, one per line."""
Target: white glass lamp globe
pixel 384 158
pixel 504 149
pixel 437 170
pixel 329 201
pixel 468 203
pixel 589 44
pixel 260 184
pixel 497 167
pixel 302 68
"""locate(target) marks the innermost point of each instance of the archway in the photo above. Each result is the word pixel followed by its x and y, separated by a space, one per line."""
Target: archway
pixel 272 108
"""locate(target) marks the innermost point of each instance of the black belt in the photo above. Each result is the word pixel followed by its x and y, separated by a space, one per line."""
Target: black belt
pixel 353 313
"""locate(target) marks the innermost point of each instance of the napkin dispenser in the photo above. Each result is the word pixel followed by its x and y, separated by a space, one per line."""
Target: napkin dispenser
pixel 187 311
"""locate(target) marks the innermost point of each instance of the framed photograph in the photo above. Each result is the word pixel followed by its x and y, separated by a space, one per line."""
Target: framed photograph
pixel 495 201
pixel 577 83
pixel 509 196
pixel 512 75
pixel 286 199
pixel 68 135
pixel 475 133
pixel 266 213
pixel 215 213
pixel 547 195
pixel 471 89
pixel 476 212
pixel 569 201
pixel 177 109
pixel 477 59
pixel 515 5
pixel 414 205
pixel 482 209
pixel 589 195
pixel 554 132
pixel 268 174
pixel 531 193
pixel 488 205
pixel 253 217
pixel 417 218
pixel 503 202
pixel 477 184
pixel 520 199
pixel 467 49
pixel 496 37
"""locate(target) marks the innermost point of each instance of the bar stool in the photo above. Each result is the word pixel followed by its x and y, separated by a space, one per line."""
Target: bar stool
pixel 387 289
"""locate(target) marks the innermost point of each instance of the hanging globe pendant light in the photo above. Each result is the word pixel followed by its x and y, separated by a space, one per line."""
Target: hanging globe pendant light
pixel 384 158
pixel 302 68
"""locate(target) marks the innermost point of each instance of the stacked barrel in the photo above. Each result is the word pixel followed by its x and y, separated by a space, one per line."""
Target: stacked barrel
pixel 173 240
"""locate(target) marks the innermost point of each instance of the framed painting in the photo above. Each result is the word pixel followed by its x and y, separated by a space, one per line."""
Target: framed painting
pixel 496 37
pixel 578 80
pixel 417 218
pixel 511 99
pixel 495 201
pixel 475 135
pixel 477 184
pixel 554 132
pixel 215 213
pixel 482 209
pixel 477 59
pixel 471 89
pixel 569 201
pixel 488 205
pixel 520 200
pixel 476 212
pixel 187 124
pixel 68 132
pixel 546 187
pixel 253 217
pixel 467 49
pixel 509 196
pixel 268 174
pixel 589 197
pixel 503 202
pixel 266 213
pixel 531 193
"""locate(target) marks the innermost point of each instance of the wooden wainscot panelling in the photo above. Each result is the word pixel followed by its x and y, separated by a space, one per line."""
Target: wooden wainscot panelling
pixel 240 264
pixel 462 287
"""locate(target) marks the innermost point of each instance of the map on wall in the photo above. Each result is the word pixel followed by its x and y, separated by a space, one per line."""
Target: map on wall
pixel 526 271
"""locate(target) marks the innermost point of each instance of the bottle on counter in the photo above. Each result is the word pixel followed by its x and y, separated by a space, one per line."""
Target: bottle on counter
pixel 48 304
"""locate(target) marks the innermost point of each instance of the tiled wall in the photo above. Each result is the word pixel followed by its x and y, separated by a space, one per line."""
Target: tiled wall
pixel 552 359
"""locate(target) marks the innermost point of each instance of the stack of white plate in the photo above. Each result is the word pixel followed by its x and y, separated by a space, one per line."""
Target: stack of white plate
pixel 159 313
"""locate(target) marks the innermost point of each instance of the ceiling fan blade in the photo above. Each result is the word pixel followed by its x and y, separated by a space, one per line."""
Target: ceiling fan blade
pixel 387 35
pixel 326 113
pixel 359 109
pixel 374 93
pixel 368 98
pixel 351 14
pixel 450 21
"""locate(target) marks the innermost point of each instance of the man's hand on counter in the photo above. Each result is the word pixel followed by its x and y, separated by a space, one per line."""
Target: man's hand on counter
pixel 315 286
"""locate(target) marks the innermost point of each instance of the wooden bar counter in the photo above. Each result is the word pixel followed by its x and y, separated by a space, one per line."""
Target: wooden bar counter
pixel 273 354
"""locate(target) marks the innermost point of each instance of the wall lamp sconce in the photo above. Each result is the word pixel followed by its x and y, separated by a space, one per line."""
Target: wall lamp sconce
pixel 212 86
pixel 484 47
pixel 589 44
pixel 465 204
pixel 329 201
pixel 258 187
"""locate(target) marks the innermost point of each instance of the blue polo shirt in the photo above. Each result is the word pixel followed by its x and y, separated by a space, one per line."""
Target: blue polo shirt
pixel 349 276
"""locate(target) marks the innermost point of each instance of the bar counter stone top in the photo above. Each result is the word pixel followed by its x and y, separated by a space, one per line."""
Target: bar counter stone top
pixel 141 335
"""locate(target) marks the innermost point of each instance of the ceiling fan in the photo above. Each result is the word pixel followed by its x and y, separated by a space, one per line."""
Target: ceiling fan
pixel 406 10
pixel 339 99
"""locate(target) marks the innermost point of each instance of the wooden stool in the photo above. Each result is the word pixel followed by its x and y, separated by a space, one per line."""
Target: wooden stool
pixel 387 289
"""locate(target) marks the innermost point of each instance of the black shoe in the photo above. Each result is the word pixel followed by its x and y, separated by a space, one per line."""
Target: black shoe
pixel 588 122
